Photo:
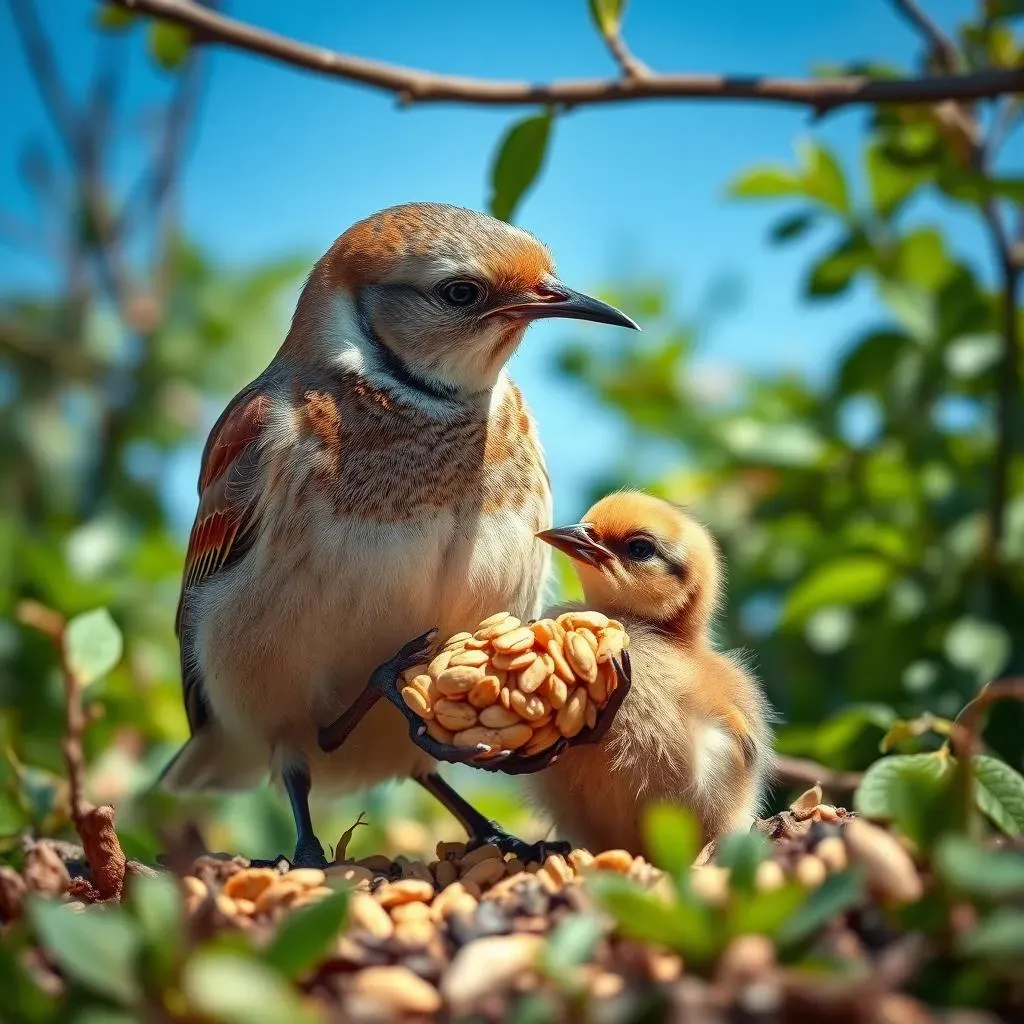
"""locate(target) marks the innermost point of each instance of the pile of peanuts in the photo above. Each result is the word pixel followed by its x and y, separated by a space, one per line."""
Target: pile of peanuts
pixel 510 686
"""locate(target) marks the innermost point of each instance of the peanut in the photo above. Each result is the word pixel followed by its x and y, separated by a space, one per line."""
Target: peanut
pixel 570 719
pixel 439 664
pixel 515 736
pixel 614 860
pixel 497 717
pixel 459 680
pixel 485 692
pixel 417 702
pixel 562 669
pixel 589 620
pixel 557 693
pixel 454 715
pixel 496 629
pixel 581 657
pixel 459 640
pixel 532 708
pixel 439 732
pixel 474 659
pixel 407 890
pixel 544 631
pixel 531 678
pixel 515 640
pixel 542 739
pixel 514 662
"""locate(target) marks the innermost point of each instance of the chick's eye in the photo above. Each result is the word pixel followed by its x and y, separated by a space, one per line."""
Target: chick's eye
pixel 640 549
pixel 460 293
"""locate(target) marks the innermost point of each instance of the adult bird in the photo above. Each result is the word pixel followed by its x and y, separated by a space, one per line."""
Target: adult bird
pixel 694 728
pixel 381 477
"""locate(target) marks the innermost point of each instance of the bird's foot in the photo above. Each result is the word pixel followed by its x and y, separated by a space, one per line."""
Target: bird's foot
pixel 308 854
pixel 495 835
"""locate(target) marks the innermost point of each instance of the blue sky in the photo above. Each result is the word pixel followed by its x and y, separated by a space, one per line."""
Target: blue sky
pixel 283 161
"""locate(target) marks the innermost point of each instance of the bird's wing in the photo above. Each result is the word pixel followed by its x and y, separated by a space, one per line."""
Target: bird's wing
pixel 225 526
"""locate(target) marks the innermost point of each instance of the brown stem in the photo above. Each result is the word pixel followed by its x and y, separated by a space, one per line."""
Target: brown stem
pixel 411 85
pixel 799 772
pixel 943 48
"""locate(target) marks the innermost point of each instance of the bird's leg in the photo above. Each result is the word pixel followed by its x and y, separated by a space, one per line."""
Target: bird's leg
pixel 482 831
pixel 308 851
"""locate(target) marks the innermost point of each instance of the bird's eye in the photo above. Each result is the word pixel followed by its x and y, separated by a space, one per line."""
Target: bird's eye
pixel 460 293
pixel 640 549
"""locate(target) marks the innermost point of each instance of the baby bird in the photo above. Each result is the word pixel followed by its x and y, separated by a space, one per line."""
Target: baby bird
pixel 694 728
pixel 380 478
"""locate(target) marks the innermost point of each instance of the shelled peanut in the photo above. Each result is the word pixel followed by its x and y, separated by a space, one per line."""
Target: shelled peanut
pixel 510 686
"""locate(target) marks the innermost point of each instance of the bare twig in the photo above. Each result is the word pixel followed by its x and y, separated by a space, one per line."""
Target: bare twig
pixel 415 86
pixel 45 72
pixel 965 737
pixel 630 66
pixel 799 772
pixel 943 48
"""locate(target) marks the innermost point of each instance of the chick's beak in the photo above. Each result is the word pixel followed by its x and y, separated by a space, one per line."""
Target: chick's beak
pixel 579 543
pixel 559 300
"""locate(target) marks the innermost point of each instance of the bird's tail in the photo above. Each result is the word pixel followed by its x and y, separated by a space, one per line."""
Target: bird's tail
pixel 210 762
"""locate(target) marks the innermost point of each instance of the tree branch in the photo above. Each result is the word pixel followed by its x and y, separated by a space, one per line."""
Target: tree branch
pixel 943 48
pixel 47 76
pixel 415 86
pixel 801 773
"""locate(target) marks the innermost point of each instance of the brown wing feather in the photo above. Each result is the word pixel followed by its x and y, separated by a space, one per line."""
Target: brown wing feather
pixel 224 524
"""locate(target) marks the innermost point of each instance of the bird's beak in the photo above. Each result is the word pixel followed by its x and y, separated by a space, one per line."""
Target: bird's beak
pixel 562 301
pixel 579 543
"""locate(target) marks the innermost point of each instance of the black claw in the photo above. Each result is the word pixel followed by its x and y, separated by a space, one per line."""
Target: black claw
pixel 526 852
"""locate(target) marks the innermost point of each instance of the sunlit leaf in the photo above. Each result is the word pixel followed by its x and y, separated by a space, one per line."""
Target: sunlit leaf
pixel 241 990
pixel 922 259
pixel 765 913
pixel 672 837
pixel 98 948
pixel 912 791
pixel 112 18
pixel 851 580
pixel 741 852
pixel 834 272
pixel 999 793
pixel 571 944
pixel 306 935
pixel 978 870
pixel 607 14
pixel 92 645
pixel 891 183
pixel 1000 935
pixel 518 162
pixel 823 177
pixel 766 182
pixel 836 895
pixel 978 646
pixel 972 354
pixel 168 44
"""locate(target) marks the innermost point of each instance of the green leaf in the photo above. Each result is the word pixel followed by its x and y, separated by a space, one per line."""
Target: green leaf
pixel 999 793
pixel 672 837
pixel 971 355
pixel 741 852
pixel 912 307
pixel 978 646
pixel 922 260
pixel 157 906
pixel 1000 935
pixel 168 44
pixel 765 913
pixel 571 944
pixel 98 948
pixel 835 271
pixel 305 936
pixel 868 366
pixel 766 182
pixel 687 926
pixel 92 645
pixel 912 791
pixel 891 184
pixel 836 895
pixel 851 580
pixel 241 990
pixel 979 871
pixel 519 161
pixel 793 226
pixel 111 18
pixel 607 15
pixel 823 177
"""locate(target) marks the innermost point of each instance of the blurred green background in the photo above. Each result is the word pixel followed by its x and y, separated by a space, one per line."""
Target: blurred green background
pixel 870 503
